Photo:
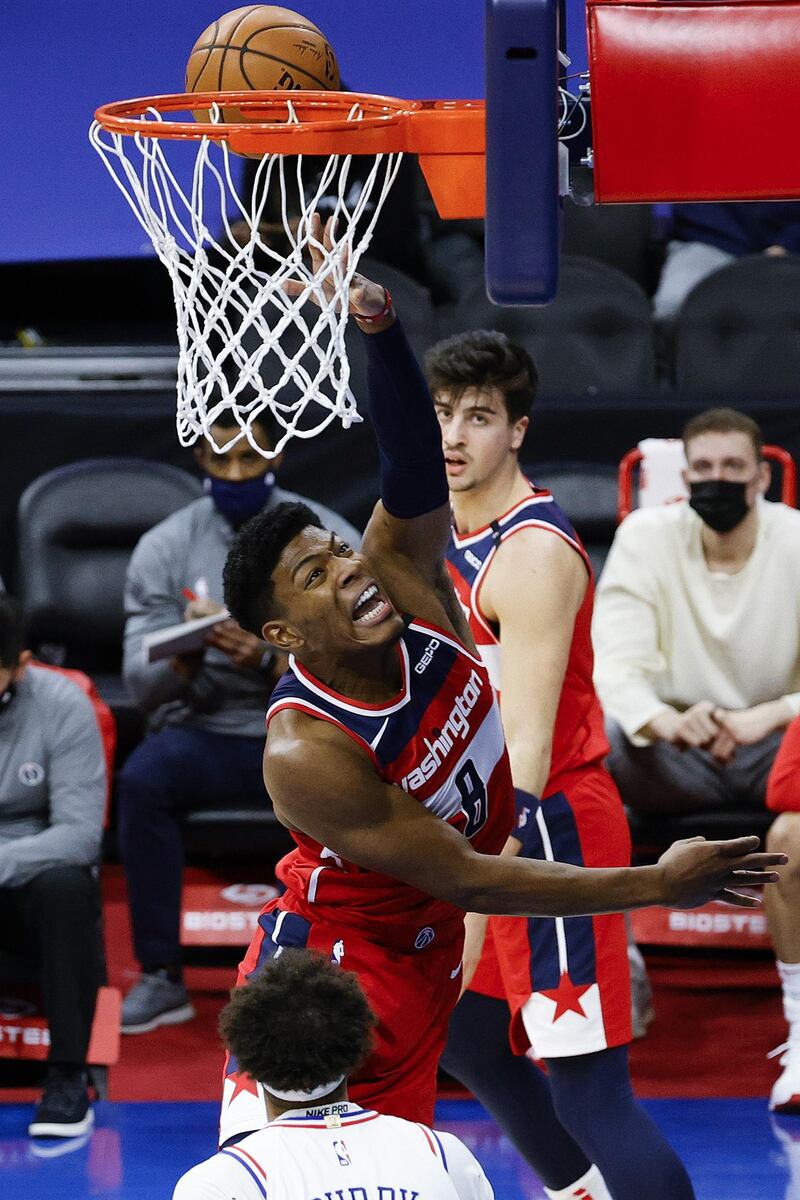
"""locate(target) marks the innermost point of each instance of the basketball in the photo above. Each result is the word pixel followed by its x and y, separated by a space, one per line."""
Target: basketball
pixel 261 48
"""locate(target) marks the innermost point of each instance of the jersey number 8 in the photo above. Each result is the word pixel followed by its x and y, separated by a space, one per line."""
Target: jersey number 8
pixel 474 803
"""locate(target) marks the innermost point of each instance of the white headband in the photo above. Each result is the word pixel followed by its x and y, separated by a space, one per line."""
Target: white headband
pixel 312 1094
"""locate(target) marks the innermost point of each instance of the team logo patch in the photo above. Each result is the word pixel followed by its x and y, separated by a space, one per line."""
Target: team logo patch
pixel 341 1152
pixel 424 938
pixel 31 774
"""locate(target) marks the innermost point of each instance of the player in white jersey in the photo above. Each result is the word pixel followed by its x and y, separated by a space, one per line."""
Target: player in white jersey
pixel 300 1028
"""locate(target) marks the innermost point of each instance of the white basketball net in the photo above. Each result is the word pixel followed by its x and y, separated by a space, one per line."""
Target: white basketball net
pixel 244 345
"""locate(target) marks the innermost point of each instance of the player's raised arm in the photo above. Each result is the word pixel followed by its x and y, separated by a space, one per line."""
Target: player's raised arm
pixel 412 519
pixel 355 814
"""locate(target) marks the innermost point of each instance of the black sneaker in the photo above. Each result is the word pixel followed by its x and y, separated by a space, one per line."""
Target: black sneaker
pixel 64 1110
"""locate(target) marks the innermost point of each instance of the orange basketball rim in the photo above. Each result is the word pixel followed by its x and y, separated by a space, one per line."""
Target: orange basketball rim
pixel 448 136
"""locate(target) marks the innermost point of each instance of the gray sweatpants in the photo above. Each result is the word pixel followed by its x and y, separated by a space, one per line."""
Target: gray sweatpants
pixel 662 779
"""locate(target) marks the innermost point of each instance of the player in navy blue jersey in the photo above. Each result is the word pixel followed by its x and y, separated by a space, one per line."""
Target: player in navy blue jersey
pixel 385 755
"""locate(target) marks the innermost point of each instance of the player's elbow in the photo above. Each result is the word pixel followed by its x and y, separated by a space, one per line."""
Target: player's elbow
pixel 456 885
pixel 474 889
pixel 530 761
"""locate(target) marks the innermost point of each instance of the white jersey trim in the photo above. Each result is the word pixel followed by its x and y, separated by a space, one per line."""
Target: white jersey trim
pixel 300 704
pixel 534 524
pixel 447 639
pixel 477 535
pixel 340 702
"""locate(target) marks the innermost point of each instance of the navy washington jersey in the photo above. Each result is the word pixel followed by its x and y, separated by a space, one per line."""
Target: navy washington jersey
pixel 579 738
pixel 440 739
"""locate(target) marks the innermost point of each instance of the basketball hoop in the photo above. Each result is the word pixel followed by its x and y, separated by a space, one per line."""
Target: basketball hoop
pixel 245 346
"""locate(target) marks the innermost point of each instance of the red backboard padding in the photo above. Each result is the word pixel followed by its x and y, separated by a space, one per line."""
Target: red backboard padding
pixel 694 101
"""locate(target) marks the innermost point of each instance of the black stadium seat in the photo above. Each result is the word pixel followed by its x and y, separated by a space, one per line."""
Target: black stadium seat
pixel 621 235
pixel 596 338
pixel 78 526
pixel 738 332
pixel 588 494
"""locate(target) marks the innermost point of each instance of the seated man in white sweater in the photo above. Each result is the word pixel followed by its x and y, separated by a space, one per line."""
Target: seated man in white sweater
pixel 697 651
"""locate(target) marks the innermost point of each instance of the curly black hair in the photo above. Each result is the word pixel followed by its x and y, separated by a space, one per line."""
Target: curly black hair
pixel 301 1022
pixel 253 556
pixel 484 358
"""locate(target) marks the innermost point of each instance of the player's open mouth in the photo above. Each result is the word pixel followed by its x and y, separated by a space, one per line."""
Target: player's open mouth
pixel 454 464
pixel 370 608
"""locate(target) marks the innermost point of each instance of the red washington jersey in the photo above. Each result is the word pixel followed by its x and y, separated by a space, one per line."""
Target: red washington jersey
pixel 441 740
pixel 579 738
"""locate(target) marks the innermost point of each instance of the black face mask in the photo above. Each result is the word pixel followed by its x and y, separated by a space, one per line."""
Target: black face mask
pixel 7 696
pixel 719 503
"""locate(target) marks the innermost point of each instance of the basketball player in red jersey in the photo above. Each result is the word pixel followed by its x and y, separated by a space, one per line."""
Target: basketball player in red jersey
pixel 385 755
pixel 526 585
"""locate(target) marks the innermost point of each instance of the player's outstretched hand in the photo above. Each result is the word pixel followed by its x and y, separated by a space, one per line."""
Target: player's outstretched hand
pixel 366 299
pixel 696 871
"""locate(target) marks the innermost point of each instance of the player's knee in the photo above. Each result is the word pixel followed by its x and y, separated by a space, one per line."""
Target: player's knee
pixel 572 1116
pixel 590 1089
pixel 784 838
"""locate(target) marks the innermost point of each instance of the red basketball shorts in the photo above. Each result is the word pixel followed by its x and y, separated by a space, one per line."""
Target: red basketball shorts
pixel 567 980
pixel 412 981
pixel 783 790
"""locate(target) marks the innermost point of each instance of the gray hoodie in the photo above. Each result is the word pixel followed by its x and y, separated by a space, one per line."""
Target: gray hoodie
pixel 188 550
pixel 52 778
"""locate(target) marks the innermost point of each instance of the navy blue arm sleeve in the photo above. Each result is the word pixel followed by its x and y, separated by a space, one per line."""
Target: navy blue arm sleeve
pixel 413 479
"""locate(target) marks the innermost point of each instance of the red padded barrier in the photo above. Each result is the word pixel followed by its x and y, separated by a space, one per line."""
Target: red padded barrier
pixel 24 1033
pixel 714 925
pixel 694 100
pixel 220 911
